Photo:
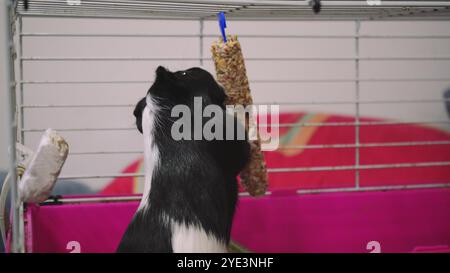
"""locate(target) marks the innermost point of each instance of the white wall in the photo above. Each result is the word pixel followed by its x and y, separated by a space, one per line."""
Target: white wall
pixel 64 94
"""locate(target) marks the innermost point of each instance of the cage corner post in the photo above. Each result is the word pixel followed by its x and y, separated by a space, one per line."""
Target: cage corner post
pixel 9 17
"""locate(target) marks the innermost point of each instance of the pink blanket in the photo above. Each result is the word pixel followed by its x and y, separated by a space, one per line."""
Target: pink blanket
pixel 329 135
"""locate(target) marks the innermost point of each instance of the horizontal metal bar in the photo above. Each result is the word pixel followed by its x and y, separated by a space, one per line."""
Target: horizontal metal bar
pixel 257 14
pixel 248 11
pixel 300 124
pixel 281 59
pixel 142 3
pixel 86 82
pixel 110 58
pixel 336 13
pixel 251 81
pixel 247 4
pixel 366 145
pixel 260 11
pixel 105 152
pixel 363 123
pixel 354 102
pixel 284 170
pixel 360 167
pixel 284 147
pixel 161 15
pixel 378 9
pixel 349 80
pixel 44 106
pixel 337 3
pixel 72 200
pixel 404 37
pixel 356 9
pixel 113 35
pixel 80 129
pixel 38 106
pixel 274 3
pixel 245 8
pixel 265 36
pixel 374 188
pixel 115 7
pixel 174 11
pixel 130 6
pixel 125 10
pixel 233 12
pixel 258 103
pixel 98 176
pixel 121 10
pixel 230 17
pixel 247 194
pixel 166 14
pixel 113 16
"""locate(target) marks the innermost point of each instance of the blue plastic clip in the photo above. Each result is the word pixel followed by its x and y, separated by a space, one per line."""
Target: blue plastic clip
pixel 222 25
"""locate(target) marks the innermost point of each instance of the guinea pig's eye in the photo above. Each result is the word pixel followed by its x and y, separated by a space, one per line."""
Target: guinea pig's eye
pixel 183 73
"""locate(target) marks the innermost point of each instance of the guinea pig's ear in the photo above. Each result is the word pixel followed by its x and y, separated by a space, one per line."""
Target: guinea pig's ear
pixel 138 113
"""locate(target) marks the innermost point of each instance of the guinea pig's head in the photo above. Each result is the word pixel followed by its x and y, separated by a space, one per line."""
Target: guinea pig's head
pixel 181 87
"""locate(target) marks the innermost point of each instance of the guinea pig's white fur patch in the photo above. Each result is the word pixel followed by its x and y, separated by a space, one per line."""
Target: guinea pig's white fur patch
pixel 192 238
pixel 151 153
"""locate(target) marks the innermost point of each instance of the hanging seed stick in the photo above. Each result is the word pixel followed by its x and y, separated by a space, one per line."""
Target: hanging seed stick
pixel 231 73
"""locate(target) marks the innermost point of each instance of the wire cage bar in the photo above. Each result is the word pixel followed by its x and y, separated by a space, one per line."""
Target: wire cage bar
pixel 204 10
pixel 240 9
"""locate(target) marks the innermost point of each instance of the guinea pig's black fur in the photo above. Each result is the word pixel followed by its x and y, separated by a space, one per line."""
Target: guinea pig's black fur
pixel 191 192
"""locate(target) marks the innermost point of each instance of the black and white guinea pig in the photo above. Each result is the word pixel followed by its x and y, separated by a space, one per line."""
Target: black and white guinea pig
pixel 190 191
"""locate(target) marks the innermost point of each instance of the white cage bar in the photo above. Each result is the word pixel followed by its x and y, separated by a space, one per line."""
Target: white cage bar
pixel 241 9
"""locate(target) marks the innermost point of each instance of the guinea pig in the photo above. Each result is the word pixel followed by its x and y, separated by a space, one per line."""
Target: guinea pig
pixel 191 190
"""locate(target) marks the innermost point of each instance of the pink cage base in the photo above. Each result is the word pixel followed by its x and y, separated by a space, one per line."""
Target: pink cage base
pixel 399 220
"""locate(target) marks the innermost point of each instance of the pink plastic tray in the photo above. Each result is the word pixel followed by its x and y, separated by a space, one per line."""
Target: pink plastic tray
pixel 391 221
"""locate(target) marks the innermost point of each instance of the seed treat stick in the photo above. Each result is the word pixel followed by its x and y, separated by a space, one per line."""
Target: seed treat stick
pixel 231 73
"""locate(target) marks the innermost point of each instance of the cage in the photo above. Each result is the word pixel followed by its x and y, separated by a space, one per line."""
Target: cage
pixel 364 155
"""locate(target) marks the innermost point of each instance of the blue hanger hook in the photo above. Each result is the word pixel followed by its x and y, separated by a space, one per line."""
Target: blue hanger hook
pixel 222 25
